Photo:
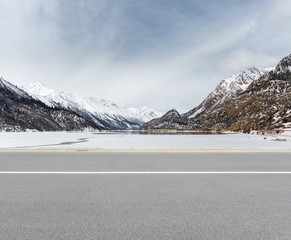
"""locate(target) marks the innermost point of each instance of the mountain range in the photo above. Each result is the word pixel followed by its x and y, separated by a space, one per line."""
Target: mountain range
pixel 252 99
pixel 40 108
pixel 20 112
pixel 100 111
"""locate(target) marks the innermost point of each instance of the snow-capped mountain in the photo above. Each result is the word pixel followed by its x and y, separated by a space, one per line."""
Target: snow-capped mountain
pixel 226 89
pixel 145 114
pixel 8 87
pixel 103 112
pixel 265 104
pixel 253 99
pixel 19 112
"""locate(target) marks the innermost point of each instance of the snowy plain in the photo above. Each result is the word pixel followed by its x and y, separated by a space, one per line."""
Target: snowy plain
pixel 128 140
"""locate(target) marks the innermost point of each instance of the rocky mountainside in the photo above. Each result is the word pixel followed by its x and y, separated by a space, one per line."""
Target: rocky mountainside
pixel 20 112
pixel 250 100
pixel 265 104
pixel 170 120
pixel 99 111
pixel 226 89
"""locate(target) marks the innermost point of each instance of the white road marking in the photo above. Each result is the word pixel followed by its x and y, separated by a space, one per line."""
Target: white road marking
pixel 146 172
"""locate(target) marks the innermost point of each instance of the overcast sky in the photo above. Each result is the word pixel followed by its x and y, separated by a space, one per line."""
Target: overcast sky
pixel 162 54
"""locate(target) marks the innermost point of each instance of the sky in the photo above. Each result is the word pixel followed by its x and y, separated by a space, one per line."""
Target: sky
pixel 162 54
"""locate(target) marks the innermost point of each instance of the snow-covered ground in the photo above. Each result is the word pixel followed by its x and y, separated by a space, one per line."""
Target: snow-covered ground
pixel 124 140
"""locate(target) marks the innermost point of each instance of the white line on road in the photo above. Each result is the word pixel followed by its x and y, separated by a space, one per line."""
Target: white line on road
pixel 159 172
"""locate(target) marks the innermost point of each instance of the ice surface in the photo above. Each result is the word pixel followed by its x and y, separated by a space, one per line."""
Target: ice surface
pixel 123 140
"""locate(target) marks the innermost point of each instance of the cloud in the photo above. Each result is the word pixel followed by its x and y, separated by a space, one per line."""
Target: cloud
pixel 162 54
pixel 243 58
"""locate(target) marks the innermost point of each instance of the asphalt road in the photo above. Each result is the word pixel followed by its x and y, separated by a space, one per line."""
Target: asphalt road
pixel 152 206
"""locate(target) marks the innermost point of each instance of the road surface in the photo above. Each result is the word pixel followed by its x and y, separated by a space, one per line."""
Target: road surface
pixel 39 201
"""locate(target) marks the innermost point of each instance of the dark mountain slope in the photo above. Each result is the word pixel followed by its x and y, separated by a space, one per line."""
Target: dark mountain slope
pixel 266 103
pixel 19 111
pixel 169 120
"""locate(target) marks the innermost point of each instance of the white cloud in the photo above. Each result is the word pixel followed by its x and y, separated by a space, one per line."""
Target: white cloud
pixel 242 58
pixel 98 48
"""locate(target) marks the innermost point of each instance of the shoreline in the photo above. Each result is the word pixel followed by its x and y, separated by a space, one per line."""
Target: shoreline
pixel 115 150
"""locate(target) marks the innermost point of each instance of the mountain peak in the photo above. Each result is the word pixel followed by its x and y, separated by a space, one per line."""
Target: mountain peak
pixel 172 113
pixel 145 113
pixel 240 80
pixel 282 71
pixel 37 88
pixel 284 65
pixel 7 85
pixel 226 89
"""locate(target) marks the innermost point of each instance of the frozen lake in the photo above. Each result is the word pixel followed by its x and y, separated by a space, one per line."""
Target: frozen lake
pixel 127 140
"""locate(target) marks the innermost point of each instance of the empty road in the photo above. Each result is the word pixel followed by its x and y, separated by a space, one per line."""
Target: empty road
pixel 145 195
